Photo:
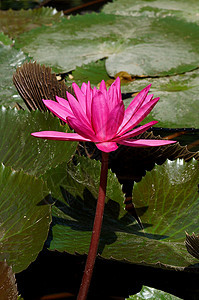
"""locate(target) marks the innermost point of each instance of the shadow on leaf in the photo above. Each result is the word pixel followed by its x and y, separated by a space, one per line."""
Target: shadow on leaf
pixel 79 216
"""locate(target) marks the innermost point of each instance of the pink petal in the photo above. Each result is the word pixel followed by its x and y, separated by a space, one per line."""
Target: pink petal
pixel 63 102
pixel 84 88
pixel 89 95
pixel 58 110
pixel 116 84
pixel 114 120
pixel 138 116
pixel 103 87
pixel 77 109
pixel 147 99
pixel 136 131
pixel 99 115
pixel 107 146
pixel 80 96
pixel 82 129
pixel 112 98
pixel 145 143
pixel 60 136
pixel 135 104
pixel 114 94
pixel 94 91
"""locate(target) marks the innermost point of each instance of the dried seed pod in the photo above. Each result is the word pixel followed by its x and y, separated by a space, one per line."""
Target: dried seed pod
pixel 35 82
pixel 192 244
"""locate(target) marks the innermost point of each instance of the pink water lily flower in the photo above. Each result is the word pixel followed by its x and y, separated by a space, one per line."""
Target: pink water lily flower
pixel 99 116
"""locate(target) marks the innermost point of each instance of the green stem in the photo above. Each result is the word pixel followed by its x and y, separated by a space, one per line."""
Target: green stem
pixel 96 230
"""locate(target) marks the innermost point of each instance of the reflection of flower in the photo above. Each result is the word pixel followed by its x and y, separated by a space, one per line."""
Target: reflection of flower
pixel 99 116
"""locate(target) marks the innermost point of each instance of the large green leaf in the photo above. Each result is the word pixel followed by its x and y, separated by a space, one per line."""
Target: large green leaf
pixel 70 43
pixel 139 45
pixel 9 59
pixel 15 22
pixel 160 46
pixel 151 294
pixel 183 9
pixel 166 201
pixel 25 217
pixel 22 151
pixel 178 105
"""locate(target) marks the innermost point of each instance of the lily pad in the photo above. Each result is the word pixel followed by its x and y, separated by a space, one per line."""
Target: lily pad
pixel 179 103
pixel 139 45
pixel 151 293
pixel 25 217
pixel 70 42
pixel 22 151
pixel 10 58
pixel 166 200
pixel 183 9
pixel 15 22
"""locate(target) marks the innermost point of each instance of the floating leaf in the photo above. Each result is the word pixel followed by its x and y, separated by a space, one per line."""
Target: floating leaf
pixel 166 200
pixel 22 151
pixel 15 22
pixel 187 10
pixel 178 105
pixel 25 217
pixel 9 59
pixel 151 294
pixel 8 287
pixel 139 45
